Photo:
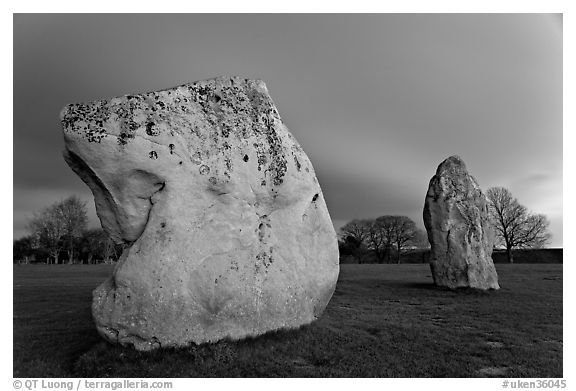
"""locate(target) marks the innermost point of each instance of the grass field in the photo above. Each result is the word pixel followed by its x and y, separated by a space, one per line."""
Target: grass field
pixel 383 321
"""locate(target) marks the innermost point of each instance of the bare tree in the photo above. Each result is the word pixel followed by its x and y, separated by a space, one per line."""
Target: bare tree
pixel 73 214
pixel 515 226
pixel 47 230
pixel 420 240
pixel 97 246
pixel 58 226
pixel 401 232
pixel 92 245
pixel 356 234
pixel 380 238
pixel 113 250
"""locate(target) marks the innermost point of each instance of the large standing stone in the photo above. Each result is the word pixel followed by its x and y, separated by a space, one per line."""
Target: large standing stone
pixel 226 229
pixel 456 217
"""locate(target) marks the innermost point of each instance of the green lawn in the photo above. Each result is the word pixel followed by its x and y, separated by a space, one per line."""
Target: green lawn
pixel 383 321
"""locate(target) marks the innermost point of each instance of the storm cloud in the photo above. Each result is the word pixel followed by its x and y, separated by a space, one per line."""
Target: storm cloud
pixel 376 100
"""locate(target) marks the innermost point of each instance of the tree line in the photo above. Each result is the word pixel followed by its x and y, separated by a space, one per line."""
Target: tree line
pixel 386 238
pixel 58 234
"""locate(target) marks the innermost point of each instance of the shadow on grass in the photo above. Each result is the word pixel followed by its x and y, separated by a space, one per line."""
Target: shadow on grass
pixel 279 353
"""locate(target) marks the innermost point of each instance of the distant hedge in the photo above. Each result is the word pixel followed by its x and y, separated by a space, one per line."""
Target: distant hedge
pixel 544 255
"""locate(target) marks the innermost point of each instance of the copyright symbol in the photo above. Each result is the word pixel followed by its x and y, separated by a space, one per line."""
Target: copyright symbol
pixel 17 384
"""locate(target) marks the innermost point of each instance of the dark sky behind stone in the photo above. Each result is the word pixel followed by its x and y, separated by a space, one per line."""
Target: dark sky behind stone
pixel 377 101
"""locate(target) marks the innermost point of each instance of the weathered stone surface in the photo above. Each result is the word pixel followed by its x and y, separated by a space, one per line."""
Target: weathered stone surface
pixel 226 229
pixel 459 230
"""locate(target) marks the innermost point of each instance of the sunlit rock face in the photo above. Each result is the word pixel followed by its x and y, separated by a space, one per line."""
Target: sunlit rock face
pixel 456 217
pixel 226 229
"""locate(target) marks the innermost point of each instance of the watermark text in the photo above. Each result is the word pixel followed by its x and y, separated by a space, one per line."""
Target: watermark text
pixel 84 384
pixel 536 384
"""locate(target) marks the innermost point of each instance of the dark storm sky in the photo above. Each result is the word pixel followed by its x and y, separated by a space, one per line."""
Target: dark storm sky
pixel 376 101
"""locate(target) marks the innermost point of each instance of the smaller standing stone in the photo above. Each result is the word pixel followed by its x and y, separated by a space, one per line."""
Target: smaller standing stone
pixel 456 217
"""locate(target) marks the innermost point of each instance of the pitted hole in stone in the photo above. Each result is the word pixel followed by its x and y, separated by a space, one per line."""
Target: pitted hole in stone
pixel 261 232
pixel 150 129
pixel 204 170
pixel 315 197
pixel 153 155
pixel 264 228
pixel 246 158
